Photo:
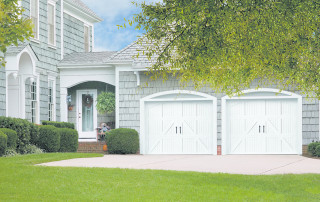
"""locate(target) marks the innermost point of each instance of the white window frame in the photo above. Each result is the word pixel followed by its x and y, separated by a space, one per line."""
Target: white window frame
pixel 84 37
pixel 34 99
pixel 38 26
pixel 53 112
pixel 52 3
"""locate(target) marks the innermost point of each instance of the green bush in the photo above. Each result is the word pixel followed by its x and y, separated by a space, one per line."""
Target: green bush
pixel 317 151
pixel 21 126
pixel 312 148
pixel 68 140
pixel 3 143
pixel 59 124
pixel 34 134
pixel 12 137
pixel 122 141
pixel 49 138
pixel 10 152
pixel 31 149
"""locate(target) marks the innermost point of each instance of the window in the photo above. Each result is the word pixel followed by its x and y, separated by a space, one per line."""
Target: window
pixel 86 39
pixel 51 24
pixel 51 93
pixel 34 102
pixel 34 14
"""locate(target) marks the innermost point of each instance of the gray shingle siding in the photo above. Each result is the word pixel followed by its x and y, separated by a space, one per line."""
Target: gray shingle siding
pixel 74 35
pixel 130 95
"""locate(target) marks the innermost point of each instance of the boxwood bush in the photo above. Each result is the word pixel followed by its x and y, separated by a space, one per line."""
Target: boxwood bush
pixel 49 138
pixel 34 134
pixel 312 148
pixel 21 126
pixel 3 143
pixel 11 137
pixel 68 140
pixel 59 124
pixel 122 141
pixel 317 151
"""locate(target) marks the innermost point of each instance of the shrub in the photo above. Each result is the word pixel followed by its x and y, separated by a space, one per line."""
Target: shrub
pixel 68 140
pixel 34 134
pixel 11 152
pixel 317 151
pixel 122 141
pixel 59 124
pixel 3 143
pixel 21 126
pixel 11 137
pixel 49 138
pixel 312 148
pixel 31 149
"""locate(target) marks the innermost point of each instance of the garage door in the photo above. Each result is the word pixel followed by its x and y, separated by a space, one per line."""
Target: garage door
pixel 262 126
pixel 184 127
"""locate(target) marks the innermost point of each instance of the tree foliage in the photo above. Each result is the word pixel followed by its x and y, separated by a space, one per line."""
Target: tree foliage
pixel 13 28
pixel 227 44
pixel 106 102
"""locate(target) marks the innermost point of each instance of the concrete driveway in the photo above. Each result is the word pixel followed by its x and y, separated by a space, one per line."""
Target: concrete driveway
pixel 235 164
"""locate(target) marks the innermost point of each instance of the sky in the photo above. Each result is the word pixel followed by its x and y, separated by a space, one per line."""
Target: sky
pixel 107 35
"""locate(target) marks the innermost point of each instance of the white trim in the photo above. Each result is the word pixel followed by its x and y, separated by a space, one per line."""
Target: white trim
pixel 52 3
pixel 38 27
pixel 149 98
pixel 38 99
pixel 77 17
pixel 290 95
pixel 78 13
pixel 61 31
pixel 92 48
pixel 117 81
pixel 84 39
pixel 54 90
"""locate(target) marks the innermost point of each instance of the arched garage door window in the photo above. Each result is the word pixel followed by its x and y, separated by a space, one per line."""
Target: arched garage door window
pixel 178 122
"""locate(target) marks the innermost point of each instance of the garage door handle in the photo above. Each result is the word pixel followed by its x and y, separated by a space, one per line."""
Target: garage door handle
pixel 263 129
pixel 180 130
pixel 176 130
pixel 259 128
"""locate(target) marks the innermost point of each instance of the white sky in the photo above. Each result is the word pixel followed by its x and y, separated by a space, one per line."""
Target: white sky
pixel 107 35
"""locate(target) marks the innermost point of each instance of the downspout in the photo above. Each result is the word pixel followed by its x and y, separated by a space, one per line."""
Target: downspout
pixel 138 77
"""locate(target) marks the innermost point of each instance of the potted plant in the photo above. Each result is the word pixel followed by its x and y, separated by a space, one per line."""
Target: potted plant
pixel 106 102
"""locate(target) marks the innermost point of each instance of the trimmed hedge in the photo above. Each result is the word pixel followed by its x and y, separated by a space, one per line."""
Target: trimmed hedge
pixel 21 126
pixel 122 141
pixel 11 137
pixel 317 151
pixel 3 143
pixel 59 124
pixel 68 140
pixel 312 148
pixel 49 139
pixel 34 134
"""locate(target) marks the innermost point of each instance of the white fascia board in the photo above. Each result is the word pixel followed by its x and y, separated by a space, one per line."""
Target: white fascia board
pixel 74 11
pixel 84 66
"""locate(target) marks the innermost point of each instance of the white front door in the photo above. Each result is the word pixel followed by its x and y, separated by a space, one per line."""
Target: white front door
pixel 262 126
pixel 179 127
pixel 86 114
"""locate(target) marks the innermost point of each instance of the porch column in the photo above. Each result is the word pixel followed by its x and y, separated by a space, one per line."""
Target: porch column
pixel 63 104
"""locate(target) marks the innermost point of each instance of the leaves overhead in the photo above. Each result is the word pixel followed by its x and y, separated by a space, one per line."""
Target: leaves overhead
pixel 227 44
pixel 13 28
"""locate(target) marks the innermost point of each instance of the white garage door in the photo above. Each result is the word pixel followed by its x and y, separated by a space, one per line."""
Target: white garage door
pixel 183 127
pixel 262 126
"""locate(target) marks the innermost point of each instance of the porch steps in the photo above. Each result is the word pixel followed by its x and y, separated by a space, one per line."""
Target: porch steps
pixel 91 147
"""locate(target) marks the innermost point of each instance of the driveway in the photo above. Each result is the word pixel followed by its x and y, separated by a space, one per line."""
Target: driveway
pixel 234 164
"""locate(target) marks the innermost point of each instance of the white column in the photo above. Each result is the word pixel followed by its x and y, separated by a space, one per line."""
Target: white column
pixel 63 104
pixel 22 108
pixel 117 97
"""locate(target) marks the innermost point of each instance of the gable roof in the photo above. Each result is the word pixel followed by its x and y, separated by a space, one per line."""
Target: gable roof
pixel 84 8
pixel 15 50
pixel 134 53
pixel 86 58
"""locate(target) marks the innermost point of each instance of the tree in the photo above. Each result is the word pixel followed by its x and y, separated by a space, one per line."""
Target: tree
pixel 227 44
pixel 13 28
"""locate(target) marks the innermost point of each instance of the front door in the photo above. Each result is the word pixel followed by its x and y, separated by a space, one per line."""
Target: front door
pixel 86 114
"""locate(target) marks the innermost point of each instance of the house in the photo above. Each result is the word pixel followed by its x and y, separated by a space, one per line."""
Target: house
pixel 61 82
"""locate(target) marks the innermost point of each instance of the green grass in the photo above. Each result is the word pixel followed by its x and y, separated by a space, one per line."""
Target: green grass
pixel 21 181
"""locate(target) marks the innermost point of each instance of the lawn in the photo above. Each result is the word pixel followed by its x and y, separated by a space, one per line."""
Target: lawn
pixel 20 180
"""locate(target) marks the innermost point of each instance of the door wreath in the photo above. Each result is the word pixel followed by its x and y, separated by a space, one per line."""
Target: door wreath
pixel 87 100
